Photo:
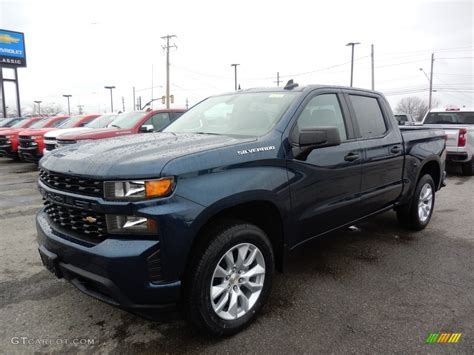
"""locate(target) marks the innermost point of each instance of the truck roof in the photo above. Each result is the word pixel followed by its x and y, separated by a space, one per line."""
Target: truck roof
pixel 306 88
pixel 453 109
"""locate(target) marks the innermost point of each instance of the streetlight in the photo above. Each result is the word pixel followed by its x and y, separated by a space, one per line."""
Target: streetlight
pixel 352 44
pixel 111 98
pixel 235 75
pixel 68 104
pixel 39 106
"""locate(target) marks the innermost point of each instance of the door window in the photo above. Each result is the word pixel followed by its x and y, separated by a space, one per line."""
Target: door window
pixel 323 111
pixel 159 121
pixel 368 115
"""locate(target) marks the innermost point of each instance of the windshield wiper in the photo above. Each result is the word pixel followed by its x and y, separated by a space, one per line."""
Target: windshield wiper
pixel 212 134
pixel 114 125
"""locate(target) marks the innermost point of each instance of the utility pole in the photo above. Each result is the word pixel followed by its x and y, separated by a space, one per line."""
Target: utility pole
pixel 431 82
pixel 39 106
pixel 235 75
pixel 123 104
pixel 167 48
pixel 134 102
pixel 111 97
pixel 187 103
pixel 68 104
pixel 80 107
pixel 278 79
pixel 372 64
pixel 352 44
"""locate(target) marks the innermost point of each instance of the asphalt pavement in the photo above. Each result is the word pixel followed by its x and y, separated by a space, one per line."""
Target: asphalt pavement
pixel 376 289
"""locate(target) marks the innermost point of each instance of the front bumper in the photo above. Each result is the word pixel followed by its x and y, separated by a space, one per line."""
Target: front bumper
pixel 29 154
pixel 6 151
pixel 114 271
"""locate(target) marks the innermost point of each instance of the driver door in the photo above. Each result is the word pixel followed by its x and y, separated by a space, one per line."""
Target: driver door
pixel 326 187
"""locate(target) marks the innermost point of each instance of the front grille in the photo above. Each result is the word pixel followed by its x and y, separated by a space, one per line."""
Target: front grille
pixel 73 184
pixel 154 267
pixel 65 142
pixel 86 223
pixel 50 145
pixel 26 142
pixel 3 140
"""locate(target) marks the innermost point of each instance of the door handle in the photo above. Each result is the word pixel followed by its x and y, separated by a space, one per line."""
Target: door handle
pixel 351 157
pixel 396 149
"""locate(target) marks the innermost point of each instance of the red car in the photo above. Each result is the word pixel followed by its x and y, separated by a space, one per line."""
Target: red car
pixel 127 123
pixel 32 140
pixel 9 136
pixel 28 140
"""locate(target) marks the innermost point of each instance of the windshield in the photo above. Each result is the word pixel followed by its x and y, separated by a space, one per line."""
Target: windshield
pixel 40 123
pixel 71 122
pixel 9 122
pixel 20 124
pixel 450 118
pixel 101 121
pixel 127 120
pixel 244 114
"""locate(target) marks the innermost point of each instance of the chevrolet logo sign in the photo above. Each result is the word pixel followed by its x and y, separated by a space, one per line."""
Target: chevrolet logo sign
pixel 89 219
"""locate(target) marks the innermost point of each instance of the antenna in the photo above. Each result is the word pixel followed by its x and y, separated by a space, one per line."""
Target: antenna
pixel 290 85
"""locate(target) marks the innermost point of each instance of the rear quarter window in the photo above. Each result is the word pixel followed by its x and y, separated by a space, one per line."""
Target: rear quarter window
pixel 369 116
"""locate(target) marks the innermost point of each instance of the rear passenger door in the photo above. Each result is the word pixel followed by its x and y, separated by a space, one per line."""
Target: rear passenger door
pixel 382 150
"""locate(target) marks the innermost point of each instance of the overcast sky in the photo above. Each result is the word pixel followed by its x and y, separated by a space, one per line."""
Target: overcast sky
pixel 77 47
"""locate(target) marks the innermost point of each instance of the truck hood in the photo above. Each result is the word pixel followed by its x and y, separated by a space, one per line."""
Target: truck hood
pixel 99 133
pixel 35 131
pixel 133 156
pixel 59 132
pixel 11 131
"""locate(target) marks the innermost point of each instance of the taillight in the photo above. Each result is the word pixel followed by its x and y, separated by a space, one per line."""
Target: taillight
pixel 462 137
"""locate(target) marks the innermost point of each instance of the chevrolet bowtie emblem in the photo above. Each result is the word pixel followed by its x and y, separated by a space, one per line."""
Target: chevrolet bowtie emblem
pixel 89 219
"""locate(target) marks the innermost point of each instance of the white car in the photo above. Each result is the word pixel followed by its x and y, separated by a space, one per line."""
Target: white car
pixel 458 124
pixel 50 138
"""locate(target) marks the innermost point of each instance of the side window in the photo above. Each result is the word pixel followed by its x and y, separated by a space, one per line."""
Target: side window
pixel 323 110
pixel 58 122
pixel 83 123
pixel 368 115
pixel 159 121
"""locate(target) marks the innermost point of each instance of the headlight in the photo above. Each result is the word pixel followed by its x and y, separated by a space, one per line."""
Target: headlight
pixel 138 190
pixel 119 224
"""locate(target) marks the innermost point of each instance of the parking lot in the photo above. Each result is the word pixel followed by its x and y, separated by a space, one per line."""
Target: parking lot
pixel 378 289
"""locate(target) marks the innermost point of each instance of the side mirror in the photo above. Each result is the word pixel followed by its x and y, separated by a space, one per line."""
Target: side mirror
pixel 146 128
pixel 313 138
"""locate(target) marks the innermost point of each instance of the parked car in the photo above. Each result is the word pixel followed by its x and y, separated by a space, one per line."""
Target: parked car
pixel 458 125
pixel 203 212
pixel 32 142
pixel 9 122
pixel 50 138
pixel 9 137
pixel 126 124
pixel 405 119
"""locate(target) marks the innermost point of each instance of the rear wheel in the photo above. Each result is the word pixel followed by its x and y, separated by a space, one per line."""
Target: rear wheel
pixel 417 214
pixel 468 168
pixel 229 278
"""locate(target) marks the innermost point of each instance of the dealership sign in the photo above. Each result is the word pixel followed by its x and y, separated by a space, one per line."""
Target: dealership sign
pixel 12 49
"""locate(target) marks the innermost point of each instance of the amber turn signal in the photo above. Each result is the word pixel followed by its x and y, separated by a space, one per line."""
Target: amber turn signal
pixel 159 188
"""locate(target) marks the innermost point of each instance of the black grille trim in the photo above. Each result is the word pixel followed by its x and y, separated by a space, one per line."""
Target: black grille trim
pixel 88 224
pixel 26 141
pixel 154 267
pixel 83 186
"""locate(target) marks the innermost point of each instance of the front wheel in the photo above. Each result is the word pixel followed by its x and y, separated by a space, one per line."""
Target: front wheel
pixel 230 278
pixel 417 214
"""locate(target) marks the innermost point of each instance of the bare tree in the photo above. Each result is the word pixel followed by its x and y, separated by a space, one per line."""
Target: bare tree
pixel 415 106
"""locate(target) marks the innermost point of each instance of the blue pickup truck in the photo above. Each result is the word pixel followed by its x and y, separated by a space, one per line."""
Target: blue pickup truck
pixel 202 213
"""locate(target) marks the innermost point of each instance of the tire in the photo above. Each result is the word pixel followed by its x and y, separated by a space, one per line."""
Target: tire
pixel 468 168
pixel 410 215
pixel 214 315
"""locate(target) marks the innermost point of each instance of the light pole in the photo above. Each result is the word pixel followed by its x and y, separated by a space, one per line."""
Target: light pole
pixel 68 103
pixel 111 97
pixel 352 44
pixel 430 79
pixel 39 106
pixel 235 75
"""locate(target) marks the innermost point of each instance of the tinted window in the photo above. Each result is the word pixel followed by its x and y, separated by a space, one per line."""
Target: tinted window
pixel 368 115
pixel 450 118
pixel 323 111
pixel 159 121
